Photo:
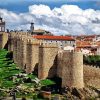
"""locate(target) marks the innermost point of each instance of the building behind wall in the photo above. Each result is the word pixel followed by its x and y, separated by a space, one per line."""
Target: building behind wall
pixel 61 41
pixel 3 34
pixel 98 50
pixel 2 25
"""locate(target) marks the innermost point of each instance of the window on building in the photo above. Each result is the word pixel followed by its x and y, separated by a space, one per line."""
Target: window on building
pixel 0 28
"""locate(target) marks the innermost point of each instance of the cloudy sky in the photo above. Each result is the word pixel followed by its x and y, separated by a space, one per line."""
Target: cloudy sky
pixel 75 17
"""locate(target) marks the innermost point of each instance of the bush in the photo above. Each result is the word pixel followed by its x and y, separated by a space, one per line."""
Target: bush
pixel 92 60
pixel 13 79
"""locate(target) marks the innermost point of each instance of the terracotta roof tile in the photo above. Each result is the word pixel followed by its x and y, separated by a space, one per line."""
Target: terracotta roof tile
pixel 83 44
pixel 48 37
pixel 98 43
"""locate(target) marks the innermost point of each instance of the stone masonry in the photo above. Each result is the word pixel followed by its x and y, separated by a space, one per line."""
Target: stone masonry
pixel 32 55
pixel 50 62
pixel 92 76
pixel 72 71
pixel 3 39
pixel 47 58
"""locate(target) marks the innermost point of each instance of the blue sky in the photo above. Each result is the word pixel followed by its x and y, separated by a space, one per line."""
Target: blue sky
pixel 57 16
pixel 22 5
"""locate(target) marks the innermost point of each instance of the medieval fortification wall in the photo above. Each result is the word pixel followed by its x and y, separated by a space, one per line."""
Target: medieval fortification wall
pixel 72 69
pixel 47 60
pixel 3 39
pixel 92 76
pixel 30 54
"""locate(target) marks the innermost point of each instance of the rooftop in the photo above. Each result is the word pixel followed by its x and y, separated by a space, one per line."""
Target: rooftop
pixel 81 44
pixel 39 30
pixel 84 44
pixel 49 37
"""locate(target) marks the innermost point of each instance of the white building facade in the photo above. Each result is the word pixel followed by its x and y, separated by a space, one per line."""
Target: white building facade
pixel 61 41
pixel 98 51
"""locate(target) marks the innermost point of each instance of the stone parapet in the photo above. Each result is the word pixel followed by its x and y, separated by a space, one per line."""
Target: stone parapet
pixel 33 42
pixel 48 45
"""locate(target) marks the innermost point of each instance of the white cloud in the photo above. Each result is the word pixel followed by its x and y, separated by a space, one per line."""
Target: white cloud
pixel 68 19
pixel 40 10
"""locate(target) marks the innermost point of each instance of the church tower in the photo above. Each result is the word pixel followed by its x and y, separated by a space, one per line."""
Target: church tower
pixel 2 25
pixel 32 27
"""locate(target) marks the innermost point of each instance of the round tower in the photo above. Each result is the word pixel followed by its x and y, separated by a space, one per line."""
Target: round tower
pixel 72 72
pixel 47 61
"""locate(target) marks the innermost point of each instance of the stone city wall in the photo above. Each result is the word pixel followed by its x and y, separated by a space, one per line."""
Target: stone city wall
pixel 72 69
pixel 59 63
pixel 29 54
pixel 18 46
pixel 25 50
pixel 32 55
pixel 47 60
pixel 92 76
pixel 3 39
pixel 10 41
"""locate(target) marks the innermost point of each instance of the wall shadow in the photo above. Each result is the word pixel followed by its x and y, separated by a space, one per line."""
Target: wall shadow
pixel 52 75
pixel 35 71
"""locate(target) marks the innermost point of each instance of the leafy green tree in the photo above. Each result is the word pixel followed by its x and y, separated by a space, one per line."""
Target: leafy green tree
pixel 92 60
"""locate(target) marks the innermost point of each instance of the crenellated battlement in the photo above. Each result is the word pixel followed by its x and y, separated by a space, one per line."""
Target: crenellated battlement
pixel 33 42
pixel 48 61
pixel 48 45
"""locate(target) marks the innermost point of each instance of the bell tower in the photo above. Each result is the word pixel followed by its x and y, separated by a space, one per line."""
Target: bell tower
pixel 2 25
pixel 32 27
